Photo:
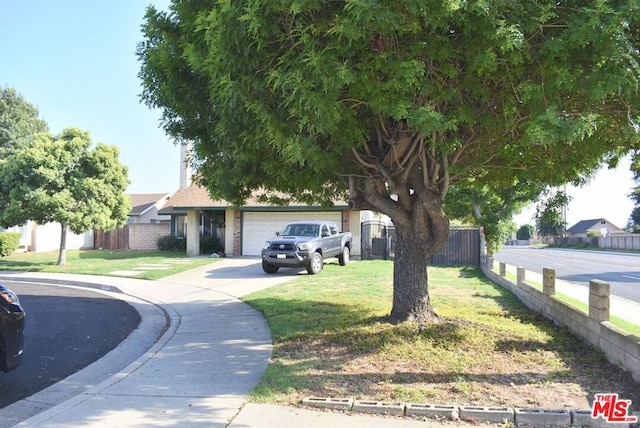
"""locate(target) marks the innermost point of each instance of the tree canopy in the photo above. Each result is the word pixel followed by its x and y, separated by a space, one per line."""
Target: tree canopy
pixel 62 179
pixel 19 120
pixel 393 103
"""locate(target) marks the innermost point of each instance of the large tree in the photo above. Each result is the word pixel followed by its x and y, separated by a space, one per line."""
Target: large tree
pixel 63 179
pixel 392 102
pixel 19 120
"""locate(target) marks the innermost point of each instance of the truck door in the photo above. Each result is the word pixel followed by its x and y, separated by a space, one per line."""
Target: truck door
pixel 336 239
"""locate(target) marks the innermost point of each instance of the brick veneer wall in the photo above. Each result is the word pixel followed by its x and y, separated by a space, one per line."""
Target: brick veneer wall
pixel 619 347
pixel 346 223
pixel 237 233
pixel 144 236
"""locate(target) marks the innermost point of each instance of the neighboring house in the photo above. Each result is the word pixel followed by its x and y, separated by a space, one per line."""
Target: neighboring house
pixel 145 206
pixel 46 237
pixel 597 226
pixel 243 230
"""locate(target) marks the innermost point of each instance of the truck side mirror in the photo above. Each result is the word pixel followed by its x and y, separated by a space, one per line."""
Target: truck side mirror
pixel 277 233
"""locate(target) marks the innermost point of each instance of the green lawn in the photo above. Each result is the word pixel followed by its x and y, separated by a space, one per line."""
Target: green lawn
pixel 104 262
pixel 331 339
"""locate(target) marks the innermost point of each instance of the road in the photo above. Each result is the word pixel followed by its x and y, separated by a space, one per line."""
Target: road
pixel 67 329
pixel 622 271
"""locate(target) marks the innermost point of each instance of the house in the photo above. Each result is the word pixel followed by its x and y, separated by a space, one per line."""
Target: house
pixel 41 238
pixel 145 206
pixel 593 227
pixel 244 229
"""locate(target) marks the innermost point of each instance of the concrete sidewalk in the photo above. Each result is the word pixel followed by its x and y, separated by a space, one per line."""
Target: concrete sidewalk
pixel 197 373
pixel 195 356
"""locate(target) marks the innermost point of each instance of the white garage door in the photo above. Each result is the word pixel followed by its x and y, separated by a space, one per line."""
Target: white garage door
pixel 257 227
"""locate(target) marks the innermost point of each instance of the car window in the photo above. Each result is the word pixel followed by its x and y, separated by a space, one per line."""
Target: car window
pixel 325 230
pixel 334 229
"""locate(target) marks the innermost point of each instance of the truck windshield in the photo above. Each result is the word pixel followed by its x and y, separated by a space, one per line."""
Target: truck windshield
pixel 301 230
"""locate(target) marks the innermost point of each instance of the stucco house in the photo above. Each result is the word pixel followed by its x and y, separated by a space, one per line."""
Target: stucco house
pixel 596 226
pixel 244 229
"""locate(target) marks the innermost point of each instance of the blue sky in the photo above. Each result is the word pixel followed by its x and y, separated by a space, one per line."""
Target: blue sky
pixel 75 60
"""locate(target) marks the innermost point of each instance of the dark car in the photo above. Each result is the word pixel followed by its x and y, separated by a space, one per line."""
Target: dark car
pixel 12 318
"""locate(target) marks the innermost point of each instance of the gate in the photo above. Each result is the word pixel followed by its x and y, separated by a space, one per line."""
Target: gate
pixel 463 248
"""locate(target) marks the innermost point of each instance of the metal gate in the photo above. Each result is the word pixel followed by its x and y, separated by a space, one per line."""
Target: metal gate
pixel 463 248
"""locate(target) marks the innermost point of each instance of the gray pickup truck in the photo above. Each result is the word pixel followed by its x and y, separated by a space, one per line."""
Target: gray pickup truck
pixel 306 243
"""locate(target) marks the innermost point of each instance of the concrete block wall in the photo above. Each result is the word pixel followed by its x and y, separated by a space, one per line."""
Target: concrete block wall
pixel 619 346
pixel 144 236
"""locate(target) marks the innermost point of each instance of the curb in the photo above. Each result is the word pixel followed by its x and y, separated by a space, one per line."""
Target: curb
pixel 476 414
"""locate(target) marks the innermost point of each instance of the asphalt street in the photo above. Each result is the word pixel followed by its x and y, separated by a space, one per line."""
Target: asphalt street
pixel 67 329
pixel 621 271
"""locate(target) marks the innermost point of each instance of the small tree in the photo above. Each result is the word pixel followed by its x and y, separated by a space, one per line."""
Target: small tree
pixel 550 214
pixel 59 179
pixel 525 232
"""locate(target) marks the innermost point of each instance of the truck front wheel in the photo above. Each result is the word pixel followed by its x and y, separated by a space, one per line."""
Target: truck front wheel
pixel 343 258
pixel 269 268
pixel 315 264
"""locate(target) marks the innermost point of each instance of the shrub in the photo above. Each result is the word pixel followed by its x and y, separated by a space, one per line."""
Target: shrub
pixel 9 242
pixel 210 245
pixel 172 243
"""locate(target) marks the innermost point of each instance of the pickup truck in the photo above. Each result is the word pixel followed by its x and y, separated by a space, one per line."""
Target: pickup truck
pixel 306 243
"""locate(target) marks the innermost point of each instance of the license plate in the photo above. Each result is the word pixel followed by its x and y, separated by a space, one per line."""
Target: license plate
pixel 281 256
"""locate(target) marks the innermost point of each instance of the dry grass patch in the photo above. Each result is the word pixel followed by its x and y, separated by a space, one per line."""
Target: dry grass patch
pixel 331 339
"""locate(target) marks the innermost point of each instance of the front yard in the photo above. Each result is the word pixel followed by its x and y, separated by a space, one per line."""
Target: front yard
pixel 330 340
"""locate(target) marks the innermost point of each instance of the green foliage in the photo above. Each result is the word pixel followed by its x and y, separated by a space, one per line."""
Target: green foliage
pixel 525 232
pixel 394 104
pixel 9 242
pixel 61 179
pixel 549 215
pixel 633 224
pixel 172 243
pixel 491 207
pixel 19 121
pixel 210 245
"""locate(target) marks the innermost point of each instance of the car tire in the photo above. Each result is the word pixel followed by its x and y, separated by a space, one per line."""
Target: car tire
pixel 315 264
pixel 269 268
pixel 343 258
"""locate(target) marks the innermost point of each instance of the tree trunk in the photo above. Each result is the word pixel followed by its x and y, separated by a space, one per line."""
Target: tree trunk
pixel 62 255
pixel 411 300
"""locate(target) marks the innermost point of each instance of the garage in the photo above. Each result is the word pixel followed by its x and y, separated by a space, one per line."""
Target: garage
pixel 258 226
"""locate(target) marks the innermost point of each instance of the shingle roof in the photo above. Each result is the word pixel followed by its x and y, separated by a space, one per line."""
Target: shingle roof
pixel 141 202
pixel 584 225
pixel 196 196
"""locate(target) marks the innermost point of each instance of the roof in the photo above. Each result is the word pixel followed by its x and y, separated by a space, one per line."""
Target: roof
pixel 585 225
pixel 142 202
pixel 198 197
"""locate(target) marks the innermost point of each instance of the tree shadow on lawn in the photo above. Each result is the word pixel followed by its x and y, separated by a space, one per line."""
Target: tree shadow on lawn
pixel 340 349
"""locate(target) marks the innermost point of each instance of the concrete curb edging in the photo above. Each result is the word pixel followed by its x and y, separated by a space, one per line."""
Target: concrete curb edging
pixel 496 415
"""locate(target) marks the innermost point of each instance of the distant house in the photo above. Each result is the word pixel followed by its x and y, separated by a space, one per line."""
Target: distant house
pixel 597 226
pixel 145 207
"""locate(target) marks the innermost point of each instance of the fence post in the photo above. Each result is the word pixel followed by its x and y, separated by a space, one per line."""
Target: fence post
pixel 548 281
pixel 599 302
pixel 521 275
pixel 503 269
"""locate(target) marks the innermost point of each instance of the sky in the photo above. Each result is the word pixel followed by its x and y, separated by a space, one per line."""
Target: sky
pixel 75 61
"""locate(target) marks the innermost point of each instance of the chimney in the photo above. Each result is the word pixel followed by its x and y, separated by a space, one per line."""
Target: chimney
pixel 185 165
